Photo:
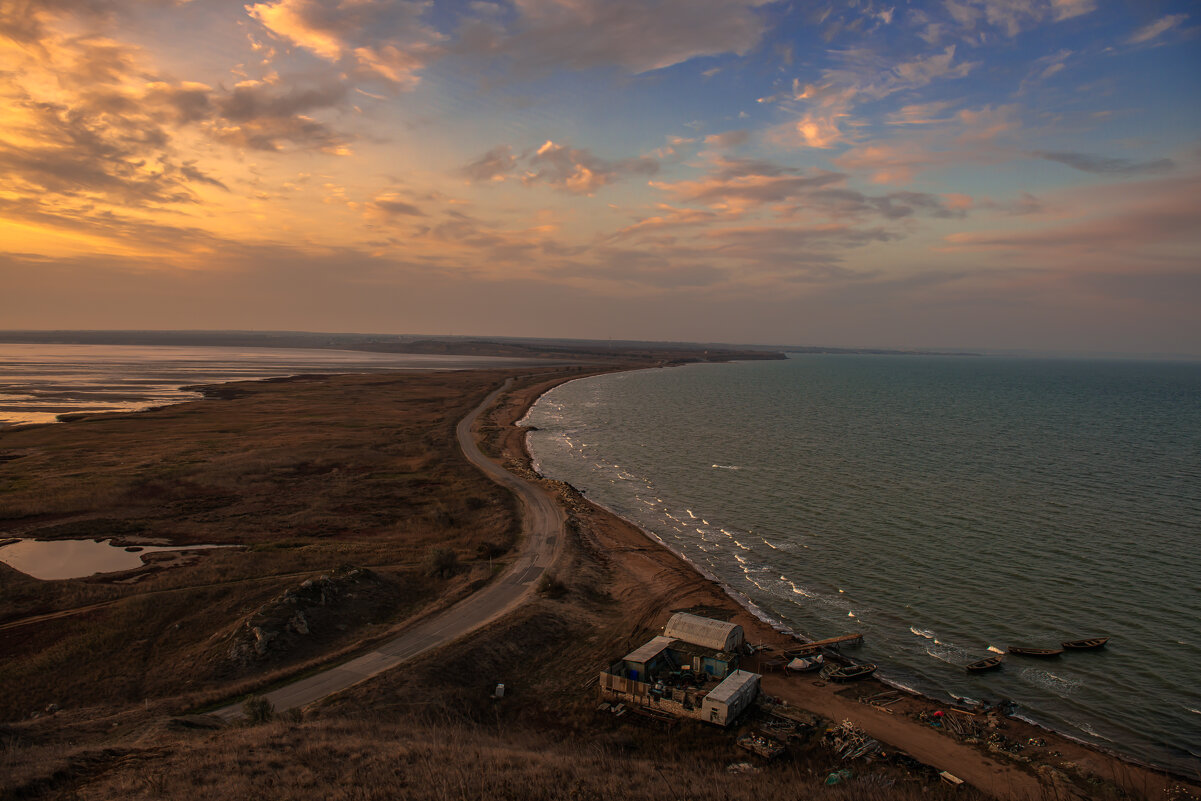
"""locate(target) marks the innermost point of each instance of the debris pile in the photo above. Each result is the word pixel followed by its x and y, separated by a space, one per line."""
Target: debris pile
pixel 849 742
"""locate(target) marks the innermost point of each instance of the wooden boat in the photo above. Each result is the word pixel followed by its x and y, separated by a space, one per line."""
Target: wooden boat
pixel 988 663
pixel 1023 651
pixel 1085 645
pixel 849 672
pixel 802 665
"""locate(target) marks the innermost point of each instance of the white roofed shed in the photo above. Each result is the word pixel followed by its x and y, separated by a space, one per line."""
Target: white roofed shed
pixel 705 632
pixel 727 700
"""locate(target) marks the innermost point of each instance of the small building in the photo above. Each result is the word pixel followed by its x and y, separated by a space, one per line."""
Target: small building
pixel 727 700
pixel 699 659
pixel 670 673
pixel 705 632
pixel 647 660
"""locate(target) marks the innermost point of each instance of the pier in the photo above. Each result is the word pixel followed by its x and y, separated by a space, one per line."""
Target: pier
pixel 842 639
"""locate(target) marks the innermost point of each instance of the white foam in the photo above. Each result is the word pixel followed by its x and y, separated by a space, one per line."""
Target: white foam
pixel 1050 681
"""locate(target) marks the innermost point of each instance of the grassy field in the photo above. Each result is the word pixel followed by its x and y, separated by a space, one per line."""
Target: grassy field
pixel 305 474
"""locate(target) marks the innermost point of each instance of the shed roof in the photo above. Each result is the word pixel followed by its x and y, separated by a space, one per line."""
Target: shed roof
pixel 716 634
pixel 723 692
pixel 648 651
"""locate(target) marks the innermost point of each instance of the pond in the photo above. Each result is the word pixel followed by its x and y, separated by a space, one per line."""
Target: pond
pixel 67 559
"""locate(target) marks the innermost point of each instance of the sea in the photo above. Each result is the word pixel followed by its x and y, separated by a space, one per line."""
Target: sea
pixel 945 506
pixel 40 382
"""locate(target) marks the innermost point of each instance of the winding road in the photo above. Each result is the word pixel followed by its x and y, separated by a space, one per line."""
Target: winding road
pixel 542 528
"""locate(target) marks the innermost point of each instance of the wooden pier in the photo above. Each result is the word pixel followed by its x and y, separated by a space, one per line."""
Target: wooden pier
pixel 842 639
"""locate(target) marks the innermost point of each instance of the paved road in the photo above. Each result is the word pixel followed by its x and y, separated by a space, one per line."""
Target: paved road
pixel 542 524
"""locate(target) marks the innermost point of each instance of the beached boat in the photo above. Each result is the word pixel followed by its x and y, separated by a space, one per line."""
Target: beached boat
pixel 802 665
pixel 981 665
pixel 1023 651
pixel 848 672
pixel 1085 645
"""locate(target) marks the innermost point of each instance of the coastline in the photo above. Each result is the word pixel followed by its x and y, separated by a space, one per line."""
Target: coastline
pixel 649 580
pixel 1164 777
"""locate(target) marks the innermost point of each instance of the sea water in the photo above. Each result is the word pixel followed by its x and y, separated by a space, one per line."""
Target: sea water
pixel 946 507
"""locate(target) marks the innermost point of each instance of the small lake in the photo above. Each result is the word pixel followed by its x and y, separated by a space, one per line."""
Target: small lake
pixel 49 560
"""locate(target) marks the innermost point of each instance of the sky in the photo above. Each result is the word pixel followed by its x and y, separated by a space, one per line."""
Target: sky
pixel 1007 174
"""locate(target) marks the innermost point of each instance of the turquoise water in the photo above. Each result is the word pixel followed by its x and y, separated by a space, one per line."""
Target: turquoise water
pixel 942 506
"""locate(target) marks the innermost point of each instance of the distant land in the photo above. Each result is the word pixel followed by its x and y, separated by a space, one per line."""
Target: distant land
pixel 465 346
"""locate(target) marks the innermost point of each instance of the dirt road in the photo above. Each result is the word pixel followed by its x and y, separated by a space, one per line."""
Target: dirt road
pixel 542 527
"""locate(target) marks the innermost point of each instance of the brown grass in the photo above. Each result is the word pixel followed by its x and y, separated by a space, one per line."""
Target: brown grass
pixel 380 759
pixel 308 474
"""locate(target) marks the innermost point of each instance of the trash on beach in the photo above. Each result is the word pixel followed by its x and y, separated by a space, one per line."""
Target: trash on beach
pixel 950 778
pixel 840 775
pixel 849 742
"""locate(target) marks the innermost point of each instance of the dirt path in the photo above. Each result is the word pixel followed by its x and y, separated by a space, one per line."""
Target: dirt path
pixel 1004 781
pixel 542 525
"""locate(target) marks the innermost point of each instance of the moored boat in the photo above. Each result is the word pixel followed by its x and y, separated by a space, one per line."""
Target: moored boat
pixel 1023 651
pixel 981 665
pixel 848 672
pixel 1085 645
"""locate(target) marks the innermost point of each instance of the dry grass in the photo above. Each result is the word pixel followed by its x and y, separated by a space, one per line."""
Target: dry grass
pixel 379 759
pixel 309 474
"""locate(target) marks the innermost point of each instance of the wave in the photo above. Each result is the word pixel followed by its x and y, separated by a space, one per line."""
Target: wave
pixel 995 649
pixel 1050 681
pixel 1089 730
pixel 929 635
pixel 941 656
pixel 727 467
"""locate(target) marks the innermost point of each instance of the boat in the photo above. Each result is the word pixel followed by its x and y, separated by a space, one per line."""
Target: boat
pixel 1023 651
pixel 847 672
pixel 801 665
pixel 987 663
pixel 1085 645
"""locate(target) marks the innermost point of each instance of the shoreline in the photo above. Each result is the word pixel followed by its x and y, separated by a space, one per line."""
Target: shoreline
pixel 778 626
pixel 645 578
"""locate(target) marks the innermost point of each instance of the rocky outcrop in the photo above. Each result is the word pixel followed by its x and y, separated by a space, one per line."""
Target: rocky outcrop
pixel 318 609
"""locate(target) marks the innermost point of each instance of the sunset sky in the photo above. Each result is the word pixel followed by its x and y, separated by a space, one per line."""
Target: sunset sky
pixel 961 173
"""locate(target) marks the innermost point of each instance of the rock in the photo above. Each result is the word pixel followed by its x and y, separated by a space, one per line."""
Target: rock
pixel 298 623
